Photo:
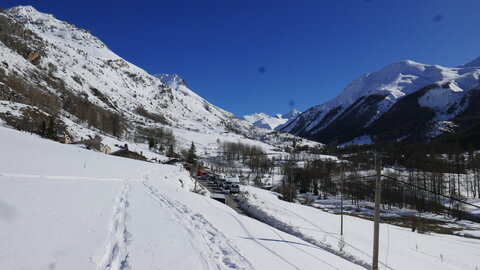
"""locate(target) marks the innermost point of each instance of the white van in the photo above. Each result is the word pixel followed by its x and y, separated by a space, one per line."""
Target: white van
pixel 233 179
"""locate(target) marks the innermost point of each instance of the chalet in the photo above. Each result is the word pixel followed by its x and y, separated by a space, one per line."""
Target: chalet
pixel 129 154
pixel 92 143
pixel 65 139
pixel 172 161
pixel 106 149
pixel 187 166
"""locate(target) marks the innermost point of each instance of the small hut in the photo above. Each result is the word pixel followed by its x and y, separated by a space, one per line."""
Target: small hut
pixel 92 143
pixel 106 149
pixel 129 154
pixel 65 139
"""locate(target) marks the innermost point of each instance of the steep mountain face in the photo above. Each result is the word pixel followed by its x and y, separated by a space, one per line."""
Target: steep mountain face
pixel 81 80
pixel 404 101
pixel 263 120
pixel 54 72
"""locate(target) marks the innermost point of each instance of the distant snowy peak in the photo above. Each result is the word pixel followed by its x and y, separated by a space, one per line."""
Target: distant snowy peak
pixel 177 83
pixel 292 114
pixel 357 109
pixel 474 63
pixel 172 80
pixel 394 81
pixel 263 120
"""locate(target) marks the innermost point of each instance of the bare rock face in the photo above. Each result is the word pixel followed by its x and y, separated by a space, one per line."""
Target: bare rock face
pixel 33 55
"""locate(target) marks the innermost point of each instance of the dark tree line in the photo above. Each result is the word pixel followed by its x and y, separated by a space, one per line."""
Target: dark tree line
pixel 250 155
pixel 159 138
pixel 420 189
pixel 18 90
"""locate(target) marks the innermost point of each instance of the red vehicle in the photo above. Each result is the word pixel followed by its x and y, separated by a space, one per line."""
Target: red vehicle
pixel 200 172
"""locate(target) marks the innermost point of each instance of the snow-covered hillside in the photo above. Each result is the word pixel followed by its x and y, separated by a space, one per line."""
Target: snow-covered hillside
pixel 63 207
pixel 63 71
pixel 400 248
pixel 263 120
pixel 88 68
pixel 368 98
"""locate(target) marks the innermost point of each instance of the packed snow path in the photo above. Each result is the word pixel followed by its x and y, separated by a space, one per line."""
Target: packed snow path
pixel 63 207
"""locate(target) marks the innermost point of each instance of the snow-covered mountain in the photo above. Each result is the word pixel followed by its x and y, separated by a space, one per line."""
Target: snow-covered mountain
pixel 59 70
pixel 263 120
pixel 405 100
pixel 88 68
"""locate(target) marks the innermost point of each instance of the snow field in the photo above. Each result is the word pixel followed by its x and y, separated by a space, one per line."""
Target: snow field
pixel 399 247
pixel 63 207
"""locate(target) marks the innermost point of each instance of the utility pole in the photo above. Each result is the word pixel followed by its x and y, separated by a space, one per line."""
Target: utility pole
pixel 341 201
pixel 290 186
pixel 273 174
pixel 376 226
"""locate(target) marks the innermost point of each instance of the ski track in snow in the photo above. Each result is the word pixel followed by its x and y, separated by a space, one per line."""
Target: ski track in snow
pixel 251 237
pixel 218 246
pixel 116 252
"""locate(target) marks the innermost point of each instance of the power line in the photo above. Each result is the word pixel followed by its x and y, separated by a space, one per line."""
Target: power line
pixel 409 184
pixel 353 178
pixel 433 192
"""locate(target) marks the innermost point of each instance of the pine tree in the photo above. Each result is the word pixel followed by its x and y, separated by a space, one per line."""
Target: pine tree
pixel 191 156
pixel 51 130
pixel 151 143
pixel 171 152
pixel 43 129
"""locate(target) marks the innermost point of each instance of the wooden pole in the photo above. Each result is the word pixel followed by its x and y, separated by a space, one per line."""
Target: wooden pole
pixel 341 202
pixel 376 226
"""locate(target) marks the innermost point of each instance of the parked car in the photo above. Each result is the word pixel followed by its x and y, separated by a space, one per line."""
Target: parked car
pixel 219 197
pixel 220 182
pixel 234 189
pixel 227 184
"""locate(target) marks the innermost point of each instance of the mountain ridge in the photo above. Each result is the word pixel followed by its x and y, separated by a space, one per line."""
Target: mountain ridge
pixel 352 114
pixel 88 88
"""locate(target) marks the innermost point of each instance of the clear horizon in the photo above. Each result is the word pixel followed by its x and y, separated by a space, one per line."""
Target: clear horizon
pixel 264 56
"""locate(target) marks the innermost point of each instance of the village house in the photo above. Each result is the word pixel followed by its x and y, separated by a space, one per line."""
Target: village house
pixel 106 149
pixel 124 152
pixel 65 139
pixel 92 143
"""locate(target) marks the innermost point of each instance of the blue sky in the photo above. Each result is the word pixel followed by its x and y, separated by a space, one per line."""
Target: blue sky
pixel 249 56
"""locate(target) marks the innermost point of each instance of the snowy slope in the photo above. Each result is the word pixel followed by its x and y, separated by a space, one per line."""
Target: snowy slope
pixel 74 61
pixel 372 95
pixel 399 247
pixel 263 120
pixel 87 67
pixel 63 207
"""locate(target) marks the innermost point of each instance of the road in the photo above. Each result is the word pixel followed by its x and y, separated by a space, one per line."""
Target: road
pixel 230 198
